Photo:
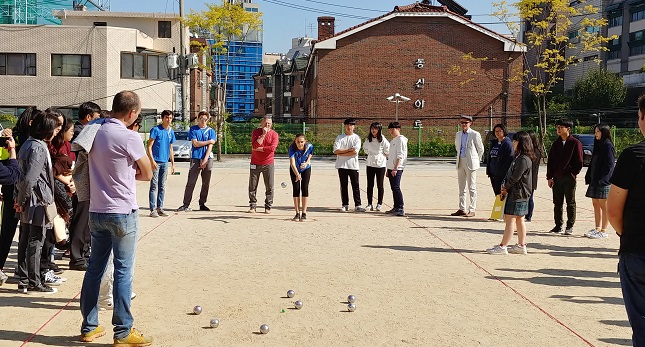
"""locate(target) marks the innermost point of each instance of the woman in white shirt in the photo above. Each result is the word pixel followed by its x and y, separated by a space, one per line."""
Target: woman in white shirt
pixel 377 148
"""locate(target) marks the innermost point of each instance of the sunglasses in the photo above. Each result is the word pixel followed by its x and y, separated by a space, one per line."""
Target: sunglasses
pixel 465 122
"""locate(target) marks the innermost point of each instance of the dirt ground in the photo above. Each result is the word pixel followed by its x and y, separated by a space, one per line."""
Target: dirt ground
pixel 422 280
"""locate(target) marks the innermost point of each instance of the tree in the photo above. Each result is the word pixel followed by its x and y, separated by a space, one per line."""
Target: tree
pixel 226 23
pixel 600 89
pixel 550 51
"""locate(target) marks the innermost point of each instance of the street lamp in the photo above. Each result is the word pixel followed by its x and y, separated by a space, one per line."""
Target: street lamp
pixel 397 98
pixel 596 115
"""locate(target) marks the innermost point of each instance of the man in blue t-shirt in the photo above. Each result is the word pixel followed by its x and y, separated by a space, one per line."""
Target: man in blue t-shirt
pixel 202 137
pixel 160 152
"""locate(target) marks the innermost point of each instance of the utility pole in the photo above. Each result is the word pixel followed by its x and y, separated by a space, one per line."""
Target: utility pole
pixel 185 106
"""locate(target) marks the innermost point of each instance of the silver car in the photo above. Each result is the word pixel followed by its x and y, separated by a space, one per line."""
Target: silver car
pixel 182 146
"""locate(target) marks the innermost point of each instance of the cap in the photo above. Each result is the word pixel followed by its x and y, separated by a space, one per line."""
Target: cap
pixel 350 121
pixel 466 117
pixel 394 125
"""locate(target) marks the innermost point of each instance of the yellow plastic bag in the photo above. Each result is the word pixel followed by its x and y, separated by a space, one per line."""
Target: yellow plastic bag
pixel 498 208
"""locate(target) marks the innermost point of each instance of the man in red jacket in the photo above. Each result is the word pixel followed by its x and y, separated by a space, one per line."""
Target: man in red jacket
pixel 564 164
pixel 264 141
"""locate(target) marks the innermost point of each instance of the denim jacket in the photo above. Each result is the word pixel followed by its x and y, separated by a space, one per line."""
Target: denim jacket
pixel 35 187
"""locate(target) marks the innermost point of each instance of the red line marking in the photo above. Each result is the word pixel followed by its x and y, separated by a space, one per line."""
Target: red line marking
pixel 505 284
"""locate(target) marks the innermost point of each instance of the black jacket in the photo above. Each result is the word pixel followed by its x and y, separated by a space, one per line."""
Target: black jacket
pixel 602 164
pixel 564 160
pixel 498 166
pixel 519 180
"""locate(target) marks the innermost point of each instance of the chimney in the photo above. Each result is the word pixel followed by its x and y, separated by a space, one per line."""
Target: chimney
pixel 325 27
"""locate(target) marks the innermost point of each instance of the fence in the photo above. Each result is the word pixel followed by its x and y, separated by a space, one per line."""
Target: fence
pixel 436 141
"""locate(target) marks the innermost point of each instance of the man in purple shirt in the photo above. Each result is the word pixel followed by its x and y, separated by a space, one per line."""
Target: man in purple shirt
pixel 116 161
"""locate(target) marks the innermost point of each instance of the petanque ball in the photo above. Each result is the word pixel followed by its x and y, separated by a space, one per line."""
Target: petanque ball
pixel 283 184
pixel 351 299
pixel 298 304
pixel 264 329
pixel 197 310
pixel 351 307
pixel 214 323
pixel 290 293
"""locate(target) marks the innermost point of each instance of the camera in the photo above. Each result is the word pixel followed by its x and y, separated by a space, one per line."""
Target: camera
pixel 3 141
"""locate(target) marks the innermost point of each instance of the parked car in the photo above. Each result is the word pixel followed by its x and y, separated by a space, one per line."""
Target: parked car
pixel 182 145
pixel 587 146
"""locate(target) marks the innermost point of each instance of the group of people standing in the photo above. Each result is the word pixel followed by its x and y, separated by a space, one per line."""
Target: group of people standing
pixel 512 166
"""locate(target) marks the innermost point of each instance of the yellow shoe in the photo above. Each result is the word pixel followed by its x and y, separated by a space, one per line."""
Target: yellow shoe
pixel 93 335
pixel 134 339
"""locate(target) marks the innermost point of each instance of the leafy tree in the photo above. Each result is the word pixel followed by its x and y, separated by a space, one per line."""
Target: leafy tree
pixel 226 23
pixel 600 89
pixel 547 24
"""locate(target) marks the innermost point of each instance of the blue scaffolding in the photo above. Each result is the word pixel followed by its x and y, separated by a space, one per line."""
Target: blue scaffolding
pixel 245 60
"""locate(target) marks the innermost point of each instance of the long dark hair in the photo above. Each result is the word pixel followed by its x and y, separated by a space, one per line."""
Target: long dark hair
pixel 21 131
pixel 536 143
pixel 379 137
pixel 524 144
pixel 605 132
pixel 59 140
pixel 294 146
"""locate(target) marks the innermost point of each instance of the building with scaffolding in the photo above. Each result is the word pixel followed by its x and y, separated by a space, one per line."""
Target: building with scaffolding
pixel 40 11
pixel 244 61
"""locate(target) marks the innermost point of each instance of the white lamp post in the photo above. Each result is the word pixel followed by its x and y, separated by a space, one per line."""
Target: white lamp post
pixel 397 98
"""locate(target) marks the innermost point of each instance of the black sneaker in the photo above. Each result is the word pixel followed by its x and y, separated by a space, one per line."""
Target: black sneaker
pixel 204 208
pixel 296 217
pixel 78 267
pixel 56 269
pixel 22 289
pixel 556 230
pixel 183 209
pixel 392 211
pixel 303 217
pixel 400 213
pixel 43 288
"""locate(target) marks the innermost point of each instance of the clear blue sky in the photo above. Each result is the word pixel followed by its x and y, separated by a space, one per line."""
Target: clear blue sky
pixel 286 19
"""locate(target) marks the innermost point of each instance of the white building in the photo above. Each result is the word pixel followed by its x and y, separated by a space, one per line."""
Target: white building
pixel 300 47
pixel 90 57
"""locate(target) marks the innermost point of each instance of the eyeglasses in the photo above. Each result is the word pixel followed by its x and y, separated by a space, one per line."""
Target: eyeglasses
pixel 465 122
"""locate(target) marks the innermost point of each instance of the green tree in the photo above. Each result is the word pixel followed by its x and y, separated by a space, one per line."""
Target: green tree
pixel 226 23
pixel 600 89
pixel 550 51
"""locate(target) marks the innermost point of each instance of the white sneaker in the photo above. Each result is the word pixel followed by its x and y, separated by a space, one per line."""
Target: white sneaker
pixel 568 231
pixel 369 207
pixel 591 231
pixel 378 207
pixel 345 208
pixel 56 277
pixel 497 250
pixel 598 235
pixel 50 280
pixel 517 249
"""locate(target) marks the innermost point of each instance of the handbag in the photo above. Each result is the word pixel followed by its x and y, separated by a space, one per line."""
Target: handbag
pixel 59 229
pixel 50 213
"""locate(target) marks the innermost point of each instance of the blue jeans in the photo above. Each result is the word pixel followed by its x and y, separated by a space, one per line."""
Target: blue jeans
pixel 395 185
pixel 118 233
pixel 158 180
pixel 631 267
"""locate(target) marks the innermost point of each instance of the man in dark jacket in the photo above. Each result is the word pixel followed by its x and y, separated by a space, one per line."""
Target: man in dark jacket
pixel 564 163
pixel 79 229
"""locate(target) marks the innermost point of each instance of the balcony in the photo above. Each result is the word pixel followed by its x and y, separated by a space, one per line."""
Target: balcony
pixel 634 80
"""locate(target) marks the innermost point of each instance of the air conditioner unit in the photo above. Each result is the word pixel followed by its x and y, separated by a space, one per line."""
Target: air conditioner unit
pixel 172 60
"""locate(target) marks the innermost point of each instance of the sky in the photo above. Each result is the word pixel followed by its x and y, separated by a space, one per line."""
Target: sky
pixel 287 19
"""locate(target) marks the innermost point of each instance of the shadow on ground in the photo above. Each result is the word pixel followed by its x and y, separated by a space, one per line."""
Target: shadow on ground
pixel 21 336
pixel 421 249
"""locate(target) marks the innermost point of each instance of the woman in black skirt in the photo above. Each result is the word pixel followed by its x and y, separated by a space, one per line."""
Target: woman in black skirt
pixel 598 174
pixel 517 188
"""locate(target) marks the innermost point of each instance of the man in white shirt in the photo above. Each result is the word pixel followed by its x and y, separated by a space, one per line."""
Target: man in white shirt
pixel 470 150
pixel 395 164
pixel 346 147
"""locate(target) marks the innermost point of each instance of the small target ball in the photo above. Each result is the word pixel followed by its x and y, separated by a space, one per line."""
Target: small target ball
pixel 214 323
pixel 283 184
pixel 351 299
pixel 351 307
pixel 197 310
pixel 264 329
pixel 298 304
pixel 290 293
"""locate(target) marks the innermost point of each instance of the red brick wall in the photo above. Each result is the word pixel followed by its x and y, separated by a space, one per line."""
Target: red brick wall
pixel 354 79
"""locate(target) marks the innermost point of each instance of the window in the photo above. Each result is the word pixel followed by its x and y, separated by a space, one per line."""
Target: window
pixel 591 57
pixel 144 66
pixel 613 55
pixel 593 30
pixel 165 31
pixel 18 64
pixel 76 65
pixel 636 50
pixel 615 21
pixel 637 36
pixel 572 34
pixel 638 15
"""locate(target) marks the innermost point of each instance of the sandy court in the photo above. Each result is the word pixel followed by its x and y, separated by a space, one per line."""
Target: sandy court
pixel 422 280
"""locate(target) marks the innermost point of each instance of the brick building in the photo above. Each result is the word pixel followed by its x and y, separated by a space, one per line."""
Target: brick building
pixel 279 89
pixel 418 51
pixel 200 80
